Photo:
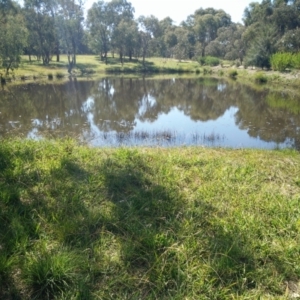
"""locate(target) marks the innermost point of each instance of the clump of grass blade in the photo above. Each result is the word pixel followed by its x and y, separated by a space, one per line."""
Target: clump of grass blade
pixel 233 74
pixel 260 78
pixel 50 273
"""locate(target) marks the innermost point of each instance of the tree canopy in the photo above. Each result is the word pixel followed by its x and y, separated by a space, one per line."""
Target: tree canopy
pixel 46 28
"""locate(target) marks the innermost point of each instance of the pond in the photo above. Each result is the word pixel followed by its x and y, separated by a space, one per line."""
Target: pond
pixel 165 112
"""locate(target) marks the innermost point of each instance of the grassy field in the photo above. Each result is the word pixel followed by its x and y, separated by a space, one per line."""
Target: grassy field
pixel 91 65
pixel 182 223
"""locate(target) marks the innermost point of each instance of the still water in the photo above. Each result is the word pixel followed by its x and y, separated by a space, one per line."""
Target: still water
pixel 165 112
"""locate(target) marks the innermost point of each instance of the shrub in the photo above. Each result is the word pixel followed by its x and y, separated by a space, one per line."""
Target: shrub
pixel 281 61
pixel 233 73
pixel 2 80
pixel 296 61
pixel 209 61
pixel 50 76
pixel 260 77
pixel 59 75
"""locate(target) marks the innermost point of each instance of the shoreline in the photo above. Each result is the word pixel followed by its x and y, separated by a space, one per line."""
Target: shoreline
pixel 89 66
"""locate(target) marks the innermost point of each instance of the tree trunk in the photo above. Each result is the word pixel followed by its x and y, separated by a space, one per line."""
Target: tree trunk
pixel 121 57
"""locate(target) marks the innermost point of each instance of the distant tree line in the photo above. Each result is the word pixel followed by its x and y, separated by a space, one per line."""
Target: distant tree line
pixel 46 28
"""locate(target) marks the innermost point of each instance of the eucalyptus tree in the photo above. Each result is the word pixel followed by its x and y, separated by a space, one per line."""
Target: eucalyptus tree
pixel 70 23
pixel 150 31
pixel 121 14
pixel 6 7
pixel 228 44
pixel 13 38
pixel 40 23
pixel 271 26
pixel 262 47
pixel 182 49
pixel 99 24
pixel 290 41
pixel 206 23
pixel 125 38
pixel 111 27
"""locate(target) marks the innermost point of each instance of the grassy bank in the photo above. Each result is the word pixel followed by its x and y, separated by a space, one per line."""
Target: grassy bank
pixel 185 223
pixel 92 66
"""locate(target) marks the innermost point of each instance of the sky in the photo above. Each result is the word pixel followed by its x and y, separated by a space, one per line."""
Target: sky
pixel 178 10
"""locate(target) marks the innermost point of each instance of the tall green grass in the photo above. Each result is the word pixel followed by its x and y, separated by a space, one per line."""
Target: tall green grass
pixel 182 223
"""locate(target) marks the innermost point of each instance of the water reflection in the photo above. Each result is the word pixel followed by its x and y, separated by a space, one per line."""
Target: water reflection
pixel 113 111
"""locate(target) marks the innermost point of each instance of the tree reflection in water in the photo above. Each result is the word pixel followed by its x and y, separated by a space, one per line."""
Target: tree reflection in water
pixel 138 111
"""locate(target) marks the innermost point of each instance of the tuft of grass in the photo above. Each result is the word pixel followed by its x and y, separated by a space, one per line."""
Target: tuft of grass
pixel 233 73
pixel 260 78
pixel 59 75
pixel 50 274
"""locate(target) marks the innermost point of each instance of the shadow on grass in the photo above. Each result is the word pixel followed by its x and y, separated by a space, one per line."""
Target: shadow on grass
pixel 116 61
pixel 17 227
pixel 145 216
pixel 128 221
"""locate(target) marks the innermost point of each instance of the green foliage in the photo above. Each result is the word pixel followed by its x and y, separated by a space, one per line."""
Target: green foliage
pixel 261 48
pixel 260 78
pixel 285 60
pixel 281 61
pixel 233 73
pixel 13 39
pixel 209 61
pixel 59 75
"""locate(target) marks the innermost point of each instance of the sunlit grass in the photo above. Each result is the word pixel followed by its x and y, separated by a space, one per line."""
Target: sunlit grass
pixel 182 223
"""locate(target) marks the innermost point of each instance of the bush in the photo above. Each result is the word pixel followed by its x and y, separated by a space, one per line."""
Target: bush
pixel 260 77
pixel 281 61
pixel 209 61
pixel 59 75
pixel 233 73
pixel 296 61
pixel 50 76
